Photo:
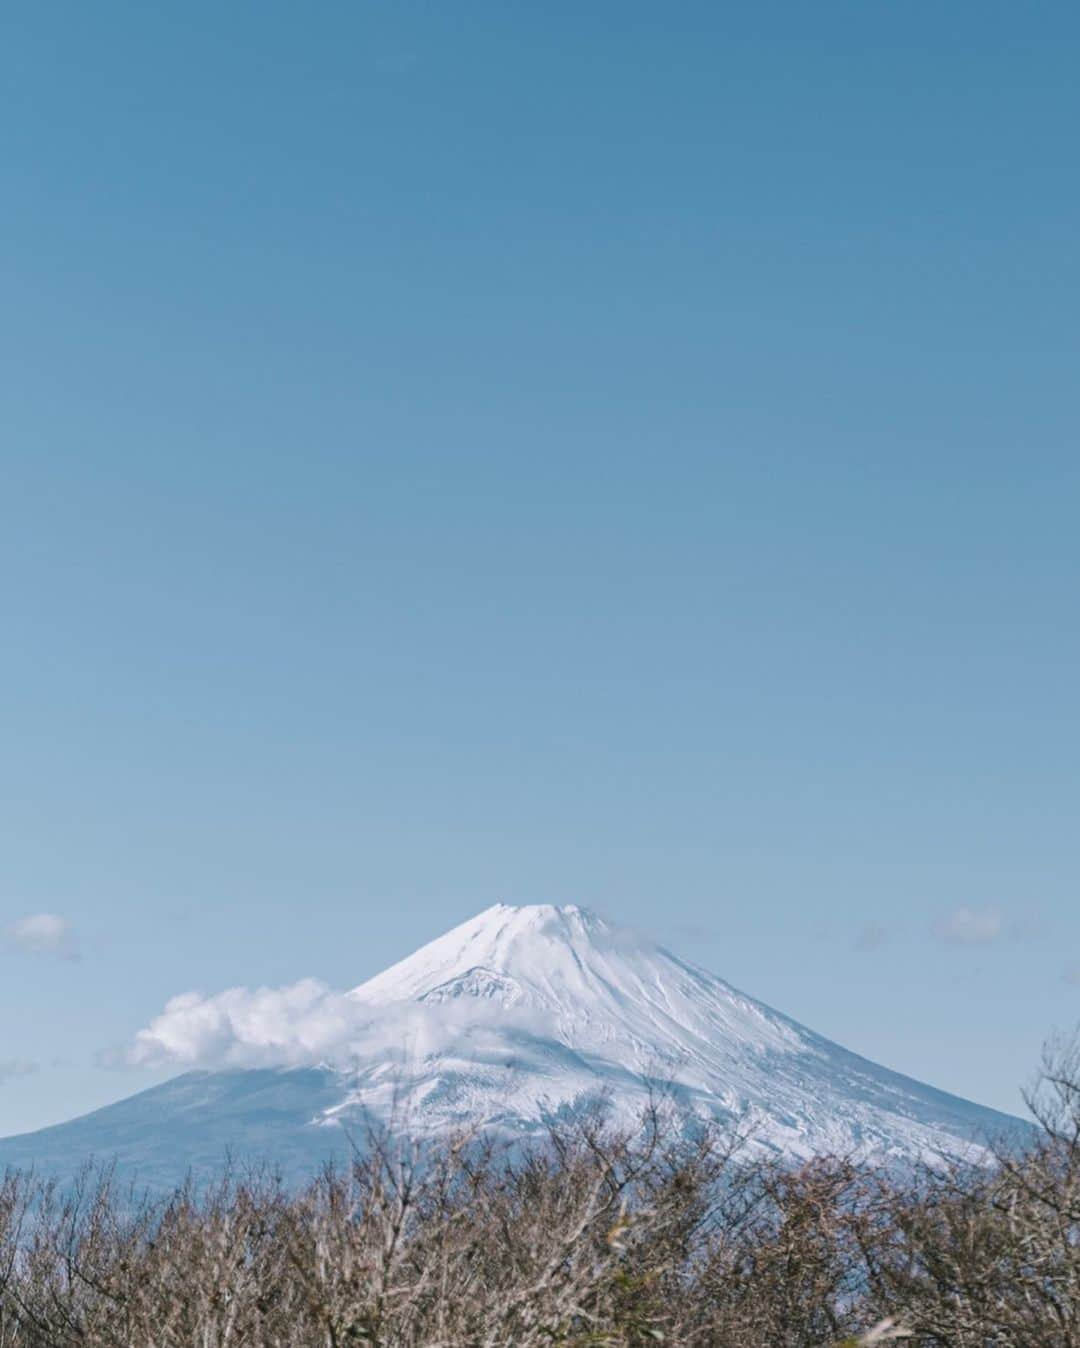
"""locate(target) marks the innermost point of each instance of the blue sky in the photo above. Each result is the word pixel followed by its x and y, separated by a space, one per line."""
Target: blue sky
pixel 621 454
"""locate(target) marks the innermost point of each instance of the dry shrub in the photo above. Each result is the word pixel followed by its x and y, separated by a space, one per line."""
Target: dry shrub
pixel 991 1258
pixel 595 1238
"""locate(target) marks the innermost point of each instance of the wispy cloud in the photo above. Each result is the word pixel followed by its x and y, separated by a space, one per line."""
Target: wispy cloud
pixel 970 926
pixel 15 1067
pixel 1028 927
pixel 871 937
pixel 696 933
pixel 1072 974
pixel 41 934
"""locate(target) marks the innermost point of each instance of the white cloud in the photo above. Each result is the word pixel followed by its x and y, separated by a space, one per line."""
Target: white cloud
pixel 970 926
pixel 291 1026
pixel 307 1024
pixel 15 1067
pixel 42 934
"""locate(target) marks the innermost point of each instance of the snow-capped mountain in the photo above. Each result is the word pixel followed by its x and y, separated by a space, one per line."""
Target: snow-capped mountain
pixel 518 1015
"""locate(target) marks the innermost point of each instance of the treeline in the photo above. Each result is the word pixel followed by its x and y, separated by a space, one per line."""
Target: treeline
pixel 594 1238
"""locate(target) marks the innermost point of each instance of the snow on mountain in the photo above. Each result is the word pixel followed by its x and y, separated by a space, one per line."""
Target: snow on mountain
pixel 529 1011
pixel 518 1015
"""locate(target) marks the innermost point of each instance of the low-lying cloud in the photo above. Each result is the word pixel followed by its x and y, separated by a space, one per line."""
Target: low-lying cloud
pixel 307 1024
pixel 290 1026
pixel 41 934
pixel 970 926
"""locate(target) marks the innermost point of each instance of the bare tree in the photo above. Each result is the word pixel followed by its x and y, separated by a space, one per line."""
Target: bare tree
pixel 597 1236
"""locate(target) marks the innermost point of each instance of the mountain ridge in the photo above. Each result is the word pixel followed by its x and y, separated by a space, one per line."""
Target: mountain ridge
pixel 516 1016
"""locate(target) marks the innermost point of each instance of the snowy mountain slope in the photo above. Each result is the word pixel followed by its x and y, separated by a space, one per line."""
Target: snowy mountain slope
pixel 536 1009
pixel 519 1014
pixel 194 1124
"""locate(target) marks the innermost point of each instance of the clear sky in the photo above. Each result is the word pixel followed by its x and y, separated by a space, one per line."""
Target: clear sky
pixel 612 453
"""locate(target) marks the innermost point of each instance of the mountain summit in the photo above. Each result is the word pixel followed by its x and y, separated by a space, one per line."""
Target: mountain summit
pixel 515 1017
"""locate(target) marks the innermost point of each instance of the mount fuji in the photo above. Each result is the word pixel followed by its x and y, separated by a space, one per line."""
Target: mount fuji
pixel 519 1016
